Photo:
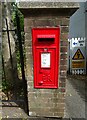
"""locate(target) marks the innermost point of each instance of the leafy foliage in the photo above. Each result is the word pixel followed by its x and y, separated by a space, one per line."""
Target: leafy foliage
pixel 16 11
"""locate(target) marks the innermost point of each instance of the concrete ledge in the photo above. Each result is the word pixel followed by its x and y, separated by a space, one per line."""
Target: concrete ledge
pixel 48 5
pixel 58 8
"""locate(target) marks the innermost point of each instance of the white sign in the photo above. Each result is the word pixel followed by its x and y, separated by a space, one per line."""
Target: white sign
pixel 79 71
pixel 45 60
pixel 77 55
pixel 78 42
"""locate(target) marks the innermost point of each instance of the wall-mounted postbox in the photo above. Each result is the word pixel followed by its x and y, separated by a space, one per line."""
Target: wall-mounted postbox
pixel 46 52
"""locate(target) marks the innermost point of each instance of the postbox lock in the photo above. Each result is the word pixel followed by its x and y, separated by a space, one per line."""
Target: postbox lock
pixel 41 82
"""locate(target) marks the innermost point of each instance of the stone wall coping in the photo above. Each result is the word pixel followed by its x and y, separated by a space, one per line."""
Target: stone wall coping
pixel 33 4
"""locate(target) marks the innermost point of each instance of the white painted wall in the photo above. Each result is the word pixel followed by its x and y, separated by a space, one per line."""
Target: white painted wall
pixel 78 24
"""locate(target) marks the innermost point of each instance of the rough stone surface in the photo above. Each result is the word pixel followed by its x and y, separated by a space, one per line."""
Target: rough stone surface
pixel 46 102
pixel 48 4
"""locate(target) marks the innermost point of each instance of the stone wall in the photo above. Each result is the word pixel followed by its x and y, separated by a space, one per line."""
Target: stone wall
pixel 9 54
pixel 46 102
pixel 0 15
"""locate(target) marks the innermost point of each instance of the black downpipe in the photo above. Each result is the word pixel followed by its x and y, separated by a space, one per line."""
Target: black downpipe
pixel 22 63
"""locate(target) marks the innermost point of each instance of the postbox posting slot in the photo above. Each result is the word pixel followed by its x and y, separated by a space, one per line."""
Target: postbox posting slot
pixel 45 39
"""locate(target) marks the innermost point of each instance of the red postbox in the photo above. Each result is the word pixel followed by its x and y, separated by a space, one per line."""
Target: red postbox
pixel 46 43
